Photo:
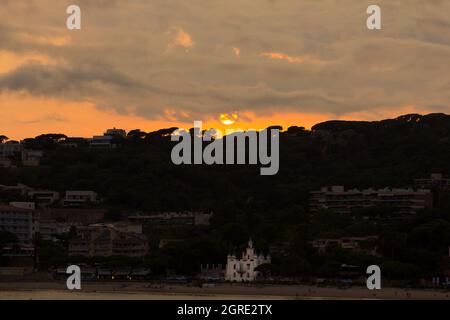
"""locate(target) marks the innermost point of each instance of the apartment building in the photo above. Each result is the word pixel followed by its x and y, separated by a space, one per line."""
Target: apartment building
pixel 18 221
pixel 106 140
pixel 104 240
pixel 406 201
pixel 367 244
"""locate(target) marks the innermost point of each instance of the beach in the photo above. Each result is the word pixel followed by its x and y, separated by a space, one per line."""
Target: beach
pixel 149 291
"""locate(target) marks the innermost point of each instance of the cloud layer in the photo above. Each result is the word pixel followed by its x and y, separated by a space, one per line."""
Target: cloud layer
pixel 185 60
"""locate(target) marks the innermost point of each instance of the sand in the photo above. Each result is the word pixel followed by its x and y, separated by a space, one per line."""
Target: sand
pixel 149 291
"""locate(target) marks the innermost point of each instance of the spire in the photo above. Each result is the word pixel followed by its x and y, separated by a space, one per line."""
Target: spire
pixel 250 243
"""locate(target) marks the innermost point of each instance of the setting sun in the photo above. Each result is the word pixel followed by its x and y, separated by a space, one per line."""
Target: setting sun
pixel 228 118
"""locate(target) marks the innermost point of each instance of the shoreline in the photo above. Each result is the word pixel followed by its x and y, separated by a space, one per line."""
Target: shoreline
pixel 149 291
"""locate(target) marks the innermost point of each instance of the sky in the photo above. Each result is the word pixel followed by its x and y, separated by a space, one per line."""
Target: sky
pixel 154 64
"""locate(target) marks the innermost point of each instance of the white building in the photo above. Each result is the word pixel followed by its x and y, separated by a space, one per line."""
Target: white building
pixel 243 270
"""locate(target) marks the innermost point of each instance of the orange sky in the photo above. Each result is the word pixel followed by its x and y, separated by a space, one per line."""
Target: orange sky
pixel 29 116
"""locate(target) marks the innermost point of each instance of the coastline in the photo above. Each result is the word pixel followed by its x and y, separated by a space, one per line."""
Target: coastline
pixel 148 291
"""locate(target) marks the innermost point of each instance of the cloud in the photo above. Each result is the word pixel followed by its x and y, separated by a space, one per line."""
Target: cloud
pixel 180 38
pixel 300 56
pixel 53 117
pixel 51 80
pixel 292 59
pixel 236 51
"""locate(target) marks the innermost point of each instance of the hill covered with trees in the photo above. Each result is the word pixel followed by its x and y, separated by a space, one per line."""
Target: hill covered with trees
pixel 139 176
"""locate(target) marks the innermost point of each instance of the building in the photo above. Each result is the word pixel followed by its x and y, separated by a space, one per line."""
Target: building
pixel 79 198
pixel 366 244
pixel 244 269
pixel 173 219
pixel 31 158
pixel 18 221
pixel 50 229
pixel 16 191
pixel 23 205
pixel 121 226
pixel 436 181
pixel 73 216
pixel 106 141
pixel 101 142
pixel 105 241
pixel 73 142
pixel 114 132
pixel 43 197
pixel 406 201
pixel 10 149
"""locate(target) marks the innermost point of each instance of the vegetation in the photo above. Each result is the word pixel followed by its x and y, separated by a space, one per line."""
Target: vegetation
pixel 273 210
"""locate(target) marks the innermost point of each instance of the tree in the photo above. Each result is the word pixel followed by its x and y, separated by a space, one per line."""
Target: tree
pixel 113 215
pixel 136 134
pixel 3 138
pixel 51 137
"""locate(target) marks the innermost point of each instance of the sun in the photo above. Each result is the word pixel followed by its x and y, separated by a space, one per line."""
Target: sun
pixel 228 118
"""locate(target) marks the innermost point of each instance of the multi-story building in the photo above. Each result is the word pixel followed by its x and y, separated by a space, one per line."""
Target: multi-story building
pixel 79 198
pixel 367 244
pixel 244 269
pixel 73 216
pixel 50 229
pixel 103 240
pixel 406 201
pixel 173 219
pixel 106 140
pixel 18 221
